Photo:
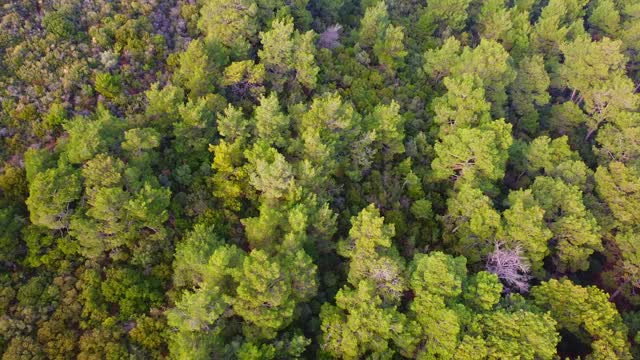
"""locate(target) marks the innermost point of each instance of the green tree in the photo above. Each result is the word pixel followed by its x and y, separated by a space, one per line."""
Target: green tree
pixel 104 227
pixel 588 62
pixel 473 155
pixel 133 292
pixel 230 178
pixel 517 40
pixel 108 85
pixel 304 59
pixel 494 20
pixel 271 125
pixel 102 342
pixel 372 256
pixel 594 70
pixel 586 313
pixel 139 140
pixel 268 291
pixel 389 49
pixel 194 132
pixel 23 348
pixel 205 308
pixel 557 23
pixel 192 254
pixel 325 130
pixel 491 63
pixel 574 228
pixel 359 323
pixel 11 224
pixel 483 291
pixel 164 104
pixel 529 92
pixel 51 196
pixel 431 327
pixel 382 39
pixel 555 158
pixel 435 326
pixel 60 23
pixel 149 205
pixel 619 186
pixel 233 24
pixel 250 351
pixel 566 118
pixel 244 78
pixel 626 270
pixel 373 24
pixel 277 50
pixel 445 17
pixel 438 274
pixel 471 223
pixel 439 62
pixel 463 106
pixel 616 141
pixel 150 333
pixel 605 18
pixel 273 177
pixel 387 126
pixel 195 72
pixel 85 139
pixel 285 52
pixel 525 226
pixel 519 334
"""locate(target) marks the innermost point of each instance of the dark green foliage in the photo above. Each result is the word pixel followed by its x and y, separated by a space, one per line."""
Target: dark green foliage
pixel 131 290
pixel 108 85
pixel 60 23
pixel 302 179
pixel 51 196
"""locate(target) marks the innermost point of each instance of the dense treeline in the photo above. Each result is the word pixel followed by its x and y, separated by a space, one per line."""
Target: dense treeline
pixel 269 179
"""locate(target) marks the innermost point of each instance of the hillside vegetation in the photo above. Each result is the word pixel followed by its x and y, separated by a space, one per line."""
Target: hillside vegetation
pixel 320 179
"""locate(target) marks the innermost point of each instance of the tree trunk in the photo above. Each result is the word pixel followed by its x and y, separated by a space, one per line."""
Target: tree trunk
pixel 589 133
pixel 618 291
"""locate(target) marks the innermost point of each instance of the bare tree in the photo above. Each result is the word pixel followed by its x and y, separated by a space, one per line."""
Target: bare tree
pixel 511 267
pixel 330 38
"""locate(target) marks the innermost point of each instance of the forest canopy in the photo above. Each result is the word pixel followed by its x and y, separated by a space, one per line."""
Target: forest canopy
pixel 320 179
